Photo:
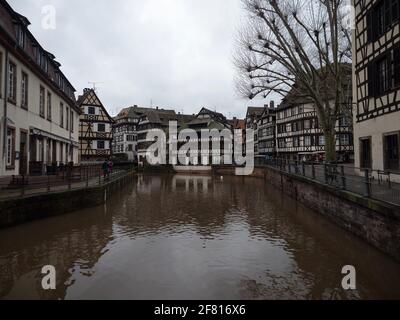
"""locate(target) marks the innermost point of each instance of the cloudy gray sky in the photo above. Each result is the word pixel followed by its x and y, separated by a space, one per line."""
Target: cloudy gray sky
pixel 176 53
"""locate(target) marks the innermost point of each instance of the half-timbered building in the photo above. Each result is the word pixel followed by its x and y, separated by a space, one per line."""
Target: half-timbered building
pixel 38 113
pixel 95 128
pixel 150 120
pixel 300 137
pixel 267 133
pixel 376 84
pixel 125 132
pixel 253 115
pixel 208 120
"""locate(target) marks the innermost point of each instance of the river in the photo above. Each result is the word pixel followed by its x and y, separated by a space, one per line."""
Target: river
pixel 192 237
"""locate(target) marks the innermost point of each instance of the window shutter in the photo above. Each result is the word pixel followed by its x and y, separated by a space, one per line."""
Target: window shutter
pixel 370 36
pixel 396 64
pixel 371 77
pixel 395 10
pixel 388 13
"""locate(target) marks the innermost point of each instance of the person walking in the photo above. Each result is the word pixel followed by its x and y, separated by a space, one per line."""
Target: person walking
pixel 110 166
pixel 105 169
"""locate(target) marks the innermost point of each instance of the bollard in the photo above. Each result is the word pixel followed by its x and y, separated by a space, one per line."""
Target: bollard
pixel 343 178
pixel 303 168
pixel 48 183
pixel 313 170
pixel 367 184
pixel 326 173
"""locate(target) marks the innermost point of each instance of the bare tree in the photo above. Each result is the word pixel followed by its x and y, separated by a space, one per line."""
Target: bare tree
pixel 299 49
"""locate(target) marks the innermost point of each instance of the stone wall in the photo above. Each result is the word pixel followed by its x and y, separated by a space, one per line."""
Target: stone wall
pixel 17 211
pixel 376 222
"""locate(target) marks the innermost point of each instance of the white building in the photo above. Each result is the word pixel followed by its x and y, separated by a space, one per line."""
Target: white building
pixel 376 85
pixel 95 129
pixel 38 116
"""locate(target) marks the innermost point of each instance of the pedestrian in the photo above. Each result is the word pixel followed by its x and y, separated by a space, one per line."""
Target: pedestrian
pixel 110 166
pixel 105 169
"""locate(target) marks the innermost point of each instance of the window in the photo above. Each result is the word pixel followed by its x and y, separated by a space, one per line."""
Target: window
pixel 45 64
pixel 49 106
pixel 21 36
pixel 12 82
pixel 382 76
pixel 296 142
pixel 41 102
pixel 101 127
pixel 395 10
pixel 307 124
pixel 91 110
pixel 38 56
pixel 72 121
pixel 365 153
pixel 307 141
pixel 381 17
pixel 1 73
pixel 321 140
pixel 391 152
pixel 344 139
pixel 24 90
pixel 344 121
pixel 100 144
pixel 10 145
pixel 396 55
pixel 61 115
pixel 67 120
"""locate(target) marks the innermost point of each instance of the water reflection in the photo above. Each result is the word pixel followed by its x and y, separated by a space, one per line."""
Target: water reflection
pixel 197 237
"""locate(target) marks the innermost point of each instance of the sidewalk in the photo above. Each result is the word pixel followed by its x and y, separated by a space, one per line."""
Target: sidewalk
pixel 352 181
pixel 50 184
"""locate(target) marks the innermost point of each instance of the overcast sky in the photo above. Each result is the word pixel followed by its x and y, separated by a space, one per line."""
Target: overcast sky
pixel 175 53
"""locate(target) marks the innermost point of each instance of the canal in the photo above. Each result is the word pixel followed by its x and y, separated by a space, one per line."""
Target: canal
pixel 192 237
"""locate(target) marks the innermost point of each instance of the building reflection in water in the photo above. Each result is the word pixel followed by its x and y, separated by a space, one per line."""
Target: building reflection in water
pixel 199 237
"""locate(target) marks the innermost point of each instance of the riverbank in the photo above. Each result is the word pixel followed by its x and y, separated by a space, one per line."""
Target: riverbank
pixel 34 207
pixel 376 222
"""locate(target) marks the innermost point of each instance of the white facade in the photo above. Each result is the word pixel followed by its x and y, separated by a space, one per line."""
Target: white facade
pixel 26 136
pixel 376 87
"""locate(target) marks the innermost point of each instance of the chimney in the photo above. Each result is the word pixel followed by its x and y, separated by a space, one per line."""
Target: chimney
pixel 272 104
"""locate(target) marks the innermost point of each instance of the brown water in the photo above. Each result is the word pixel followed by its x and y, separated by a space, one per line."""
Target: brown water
pixel 192 238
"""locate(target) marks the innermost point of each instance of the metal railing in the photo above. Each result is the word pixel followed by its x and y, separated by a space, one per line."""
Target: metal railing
pixel 77 177
pixel 374 184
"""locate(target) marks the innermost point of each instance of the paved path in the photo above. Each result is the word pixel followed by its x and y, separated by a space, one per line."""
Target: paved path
pixel 354 182
pixel 39 185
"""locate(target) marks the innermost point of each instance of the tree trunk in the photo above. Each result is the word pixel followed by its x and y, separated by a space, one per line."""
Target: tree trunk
pixel 330 144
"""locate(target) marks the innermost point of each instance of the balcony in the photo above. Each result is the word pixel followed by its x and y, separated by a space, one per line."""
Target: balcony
pixel 304 115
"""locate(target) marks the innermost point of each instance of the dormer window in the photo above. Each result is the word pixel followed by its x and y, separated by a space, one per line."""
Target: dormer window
pixel 21 36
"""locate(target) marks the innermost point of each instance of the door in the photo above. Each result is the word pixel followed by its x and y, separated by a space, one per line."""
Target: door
pixel 23 156
pixel 366 153
pixel 391 152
